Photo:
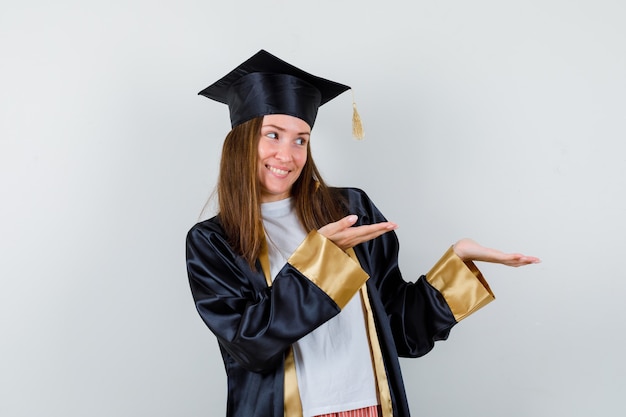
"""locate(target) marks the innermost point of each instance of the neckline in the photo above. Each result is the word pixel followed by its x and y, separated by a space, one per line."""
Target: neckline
pixel 277 208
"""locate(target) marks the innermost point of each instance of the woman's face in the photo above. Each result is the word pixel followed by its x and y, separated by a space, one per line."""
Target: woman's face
pixel 282 154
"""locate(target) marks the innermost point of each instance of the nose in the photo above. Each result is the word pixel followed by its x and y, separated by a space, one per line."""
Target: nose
pixel 283 152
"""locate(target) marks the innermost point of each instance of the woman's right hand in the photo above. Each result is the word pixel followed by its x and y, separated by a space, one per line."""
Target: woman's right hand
pixel 343 234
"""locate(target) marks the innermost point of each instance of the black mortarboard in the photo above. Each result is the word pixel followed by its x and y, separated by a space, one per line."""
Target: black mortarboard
pixel 265 84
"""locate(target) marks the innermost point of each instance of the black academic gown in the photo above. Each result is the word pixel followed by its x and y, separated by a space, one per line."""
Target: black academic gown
pixel 256 324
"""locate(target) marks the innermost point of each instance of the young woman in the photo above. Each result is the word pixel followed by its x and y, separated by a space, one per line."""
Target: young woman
pixel 299 281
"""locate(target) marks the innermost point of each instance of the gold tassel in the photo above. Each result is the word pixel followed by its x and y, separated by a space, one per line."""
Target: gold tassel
pixel 357 126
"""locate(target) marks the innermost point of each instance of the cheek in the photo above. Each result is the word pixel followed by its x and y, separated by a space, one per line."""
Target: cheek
pixel 302 158
pixel 260 151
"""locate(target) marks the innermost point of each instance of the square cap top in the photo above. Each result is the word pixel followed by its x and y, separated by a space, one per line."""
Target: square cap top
pixel 265 84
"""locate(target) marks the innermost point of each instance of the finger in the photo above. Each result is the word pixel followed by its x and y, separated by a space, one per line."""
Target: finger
pixel 336 227
pixel 348 221
pixel 373 231
pixel 360 234
pixel 526 260
pixel 369 230
pixel 521 260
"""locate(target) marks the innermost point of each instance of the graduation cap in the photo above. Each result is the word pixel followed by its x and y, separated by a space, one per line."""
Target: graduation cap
pixel 265 84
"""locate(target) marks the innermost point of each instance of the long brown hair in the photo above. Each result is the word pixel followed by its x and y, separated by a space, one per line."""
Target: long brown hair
pixel 238 192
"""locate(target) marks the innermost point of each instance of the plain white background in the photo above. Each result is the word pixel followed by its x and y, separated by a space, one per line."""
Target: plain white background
pixel 502 121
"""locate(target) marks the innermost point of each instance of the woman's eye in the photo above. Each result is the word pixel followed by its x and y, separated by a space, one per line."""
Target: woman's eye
pixel 272 135
pixel 300 141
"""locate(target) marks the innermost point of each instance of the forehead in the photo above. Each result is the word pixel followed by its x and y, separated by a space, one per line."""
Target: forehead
pixel 287 123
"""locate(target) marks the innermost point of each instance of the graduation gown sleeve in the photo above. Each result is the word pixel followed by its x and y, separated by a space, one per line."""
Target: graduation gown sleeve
pixel 255 322
pixel 421 312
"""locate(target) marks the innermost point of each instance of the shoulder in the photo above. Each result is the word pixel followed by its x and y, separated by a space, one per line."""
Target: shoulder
pixel 207 229
pixel 207 240
pixel 353 194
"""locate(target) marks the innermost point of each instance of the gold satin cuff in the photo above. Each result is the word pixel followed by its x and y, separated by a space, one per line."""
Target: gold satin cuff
pixel 330 268
pixel 461 284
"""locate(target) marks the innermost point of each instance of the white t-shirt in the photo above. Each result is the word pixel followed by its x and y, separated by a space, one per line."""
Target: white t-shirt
pixel 333 363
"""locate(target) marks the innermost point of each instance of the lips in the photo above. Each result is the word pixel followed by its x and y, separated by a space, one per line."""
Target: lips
pixel 277 171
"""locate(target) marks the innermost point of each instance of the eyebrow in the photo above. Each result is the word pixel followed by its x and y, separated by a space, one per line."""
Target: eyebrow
pixel 283 130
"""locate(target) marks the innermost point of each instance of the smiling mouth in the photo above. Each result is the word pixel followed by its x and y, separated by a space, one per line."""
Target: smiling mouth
pixel 277 171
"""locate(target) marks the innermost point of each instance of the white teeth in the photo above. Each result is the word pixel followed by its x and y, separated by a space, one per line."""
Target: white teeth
pixel 278 171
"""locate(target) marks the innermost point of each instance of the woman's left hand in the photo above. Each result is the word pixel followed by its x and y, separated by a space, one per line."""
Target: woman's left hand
pixel 468 250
